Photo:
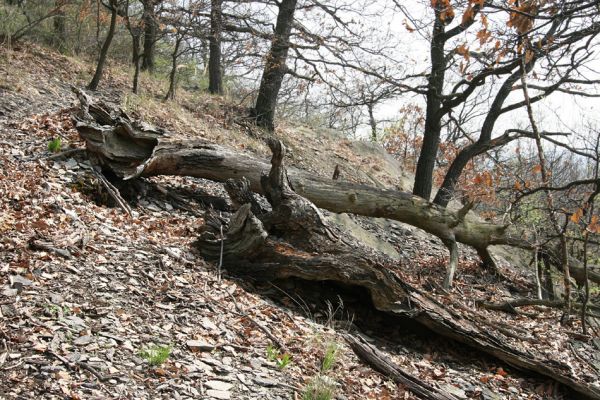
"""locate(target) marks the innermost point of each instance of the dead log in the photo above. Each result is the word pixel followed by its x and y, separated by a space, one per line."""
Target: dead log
pixel 293 240
pixel 130 148
pixel 297 243
pixel 510 306
pixel 373 357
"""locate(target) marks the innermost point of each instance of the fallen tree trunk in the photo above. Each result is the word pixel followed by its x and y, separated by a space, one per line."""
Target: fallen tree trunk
pixel 293 241
pixel 132 149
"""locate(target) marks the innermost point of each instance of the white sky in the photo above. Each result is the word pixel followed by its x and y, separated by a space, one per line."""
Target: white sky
pixel 556 113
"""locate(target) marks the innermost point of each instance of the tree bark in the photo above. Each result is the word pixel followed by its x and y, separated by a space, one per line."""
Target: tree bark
pixel 293 241
pixel 60 34
pixel 432 130
pixel 372 122
pixel 215 80
pixel 173 74
pixel 483 144
pixel 104 51
pixel 275 67
pixel 136 34
pixel 150 32
pixel 132 148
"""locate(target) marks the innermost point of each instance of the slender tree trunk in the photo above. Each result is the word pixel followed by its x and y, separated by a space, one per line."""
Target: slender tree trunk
pixel 135 39
pixel 150 31
pixel 60 36
pixel 173 75
pixel 215 80
pixel 136 76
pixel 433 127
pixel 104 51
pixel 136 33
pixel 372 122
pixel 275 68
pixel 561 231
pixel 98 24
pixel 483 144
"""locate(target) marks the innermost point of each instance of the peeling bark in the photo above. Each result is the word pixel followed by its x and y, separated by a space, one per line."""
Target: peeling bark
pixel 299 244
pixel 130 148
pixel 293 241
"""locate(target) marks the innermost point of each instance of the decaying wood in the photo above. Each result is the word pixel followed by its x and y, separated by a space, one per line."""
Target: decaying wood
pixel 37 244
pixel 297 243
pixel 113 192
pixel 292 240
pixel 130 148
pixel 240 194
pixel 379 362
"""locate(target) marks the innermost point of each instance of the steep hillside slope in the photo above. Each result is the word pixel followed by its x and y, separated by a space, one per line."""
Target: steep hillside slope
pixel 86 292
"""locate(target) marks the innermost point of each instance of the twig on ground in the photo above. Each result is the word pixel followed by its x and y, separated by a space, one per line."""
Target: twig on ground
pixel 113 192
pixel 220 266
pixel 382 364
pixel 62 154
pixel 263 328
pixel 44 246
pixel 176 256
pixel 82 365
pixel 582 359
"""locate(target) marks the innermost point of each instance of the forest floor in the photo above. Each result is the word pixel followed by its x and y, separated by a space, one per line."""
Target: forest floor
pixel 87 292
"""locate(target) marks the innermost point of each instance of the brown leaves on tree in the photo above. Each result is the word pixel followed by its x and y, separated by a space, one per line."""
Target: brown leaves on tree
pixel 446 11
pixel 523 15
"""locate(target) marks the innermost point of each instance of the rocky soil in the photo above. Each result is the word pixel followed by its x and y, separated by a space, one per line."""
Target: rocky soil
pixel 87 293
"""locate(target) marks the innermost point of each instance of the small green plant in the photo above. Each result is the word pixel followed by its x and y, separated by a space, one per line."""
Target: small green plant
pixel 54 311
pixel 322 387
pixel 281 360
pixel 329 358
pixel 272 352
pixel 156 355
pixel 54 145
pixel 319 388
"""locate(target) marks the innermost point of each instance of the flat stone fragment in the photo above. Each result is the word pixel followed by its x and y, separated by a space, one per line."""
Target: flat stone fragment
pixel 218 385
pixel 199 345
pixel 219 394
pixel 453 390
pixel 19 280
pixel 265 382
pixel 83 340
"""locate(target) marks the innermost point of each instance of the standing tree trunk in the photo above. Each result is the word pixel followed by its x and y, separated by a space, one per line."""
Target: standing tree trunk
pixel 275 68
pixel 483 144
pixel 433 127
pixel 136 33
pixel 173 75
pixel 136 65
pixel 150 31
pixel 104 51
pixel 215 79
pixel 59 40
pixel 372 122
